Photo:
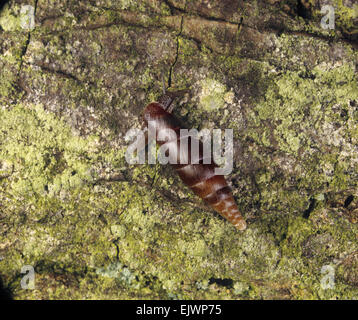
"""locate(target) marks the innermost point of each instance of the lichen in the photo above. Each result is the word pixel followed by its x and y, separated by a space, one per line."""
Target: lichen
pixel 9 21
pixel 47 158
pixel 95 227
pixel 346 14
pixel 287 102
pixel 212 95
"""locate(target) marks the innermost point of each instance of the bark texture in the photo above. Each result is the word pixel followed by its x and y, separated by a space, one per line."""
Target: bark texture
pixel 95 227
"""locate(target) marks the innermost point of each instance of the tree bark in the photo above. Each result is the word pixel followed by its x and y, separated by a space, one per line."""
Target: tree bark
pixel 93 226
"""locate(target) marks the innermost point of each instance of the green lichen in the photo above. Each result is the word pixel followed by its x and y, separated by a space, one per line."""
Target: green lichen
pixel 95 227
pixel 46 156
pixel 345 16
pixel 294 102
pixel 8 20
pixel 212 95
pixel 10 61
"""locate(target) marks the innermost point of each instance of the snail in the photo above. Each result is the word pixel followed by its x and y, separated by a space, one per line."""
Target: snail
pixel 198 175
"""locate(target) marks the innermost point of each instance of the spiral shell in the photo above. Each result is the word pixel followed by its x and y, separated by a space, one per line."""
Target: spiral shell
pixel 199 176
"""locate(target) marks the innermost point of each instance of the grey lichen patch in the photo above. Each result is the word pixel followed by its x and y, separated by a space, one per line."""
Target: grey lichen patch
pixel 117 270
